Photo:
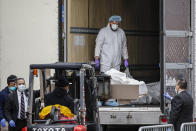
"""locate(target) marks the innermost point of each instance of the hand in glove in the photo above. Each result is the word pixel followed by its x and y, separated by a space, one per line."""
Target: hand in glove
pixel 97 63
pixel 99 103
pixel 12 123
pixel 126 63
pixel 167 96
pixel 3 122
pixel 111 103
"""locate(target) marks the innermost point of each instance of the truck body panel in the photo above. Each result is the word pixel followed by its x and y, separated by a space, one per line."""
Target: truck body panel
pixel 129 115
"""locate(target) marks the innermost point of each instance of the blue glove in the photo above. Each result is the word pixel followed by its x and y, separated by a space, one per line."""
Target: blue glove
pixel 111 103
pixel 12 123
pixel 97 63
pixel 167 96
pixel 126 63
pixel 3 122
pixel 99 103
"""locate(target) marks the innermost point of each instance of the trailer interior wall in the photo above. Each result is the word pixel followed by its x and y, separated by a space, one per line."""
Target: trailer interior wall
pixel 28 35
pixel 138 17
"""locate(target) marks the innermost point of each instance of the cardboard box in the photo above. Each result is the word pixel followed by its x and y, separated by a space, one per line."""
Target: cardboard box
pixel 125 92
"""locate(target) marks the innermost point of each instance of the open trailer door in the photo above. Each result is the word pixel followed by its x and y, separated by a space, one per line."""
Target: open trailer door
pixel 175 40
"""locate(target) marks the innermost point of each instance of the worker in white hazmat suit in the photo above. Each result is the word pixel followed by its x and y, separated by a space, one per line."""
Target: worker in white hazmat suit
pixel 111 45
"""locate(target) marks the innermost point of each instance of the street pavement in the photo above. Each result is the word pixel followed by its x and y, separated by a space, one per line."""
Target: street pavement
pixel 122 128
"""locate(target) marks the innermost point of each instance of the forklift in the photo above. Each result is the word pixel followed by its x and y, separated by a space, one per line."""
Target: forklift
pixel 82 90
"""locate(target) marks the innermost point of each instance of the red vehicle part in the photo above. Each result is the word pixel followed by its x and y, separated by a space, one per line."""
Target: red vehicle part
pixel 24 129
pixel 80 128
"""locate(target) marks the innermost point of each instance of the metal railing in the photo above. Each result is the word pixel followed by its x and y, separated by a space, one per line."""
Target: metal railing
pixel 168 127
pixel 189 126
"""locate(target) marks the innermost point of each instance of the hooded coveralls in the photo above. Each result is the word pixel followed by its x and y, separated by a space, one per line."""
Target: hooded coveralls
pixel 110 46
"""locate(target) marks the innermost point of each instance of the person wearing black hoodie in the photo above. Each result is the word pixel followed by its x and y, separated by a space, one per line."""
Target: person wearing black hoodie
pixel 60 95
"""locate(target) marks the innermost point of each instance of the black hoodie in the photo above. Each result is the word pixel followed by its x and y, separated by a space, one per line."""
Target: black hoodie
pixel 60 96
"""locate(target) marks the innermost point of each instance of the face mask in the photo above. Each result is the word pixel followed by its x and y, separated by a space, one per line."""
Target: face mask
pixel 176 91
pixel 21 88
pixel 114 27
pixel 68 90
pixel 12 88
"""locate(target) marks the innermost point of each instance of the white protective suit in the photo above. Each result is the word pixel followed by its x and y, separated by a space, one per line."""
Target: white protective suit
pixel 110 46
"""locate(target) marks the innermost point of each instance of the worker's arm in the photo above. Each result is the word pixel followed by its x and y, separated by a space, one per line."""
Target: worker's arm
pixel 96 57
pixel 71 103
pixel 99 43
pixel 124 47
pixel 1 106
pixel 7 107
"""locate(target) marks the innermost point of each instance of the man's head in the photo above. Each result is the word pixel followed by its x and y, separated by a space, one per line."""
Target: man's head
pixel 114 21
pixel 62 83
pixel 20 84
pixel 181 85
pixel 11 80
pixel 20 81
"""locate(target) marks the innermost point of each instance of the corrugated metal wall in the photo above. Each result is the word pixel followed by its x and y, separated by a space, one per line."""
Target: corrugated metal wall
pixel 28 34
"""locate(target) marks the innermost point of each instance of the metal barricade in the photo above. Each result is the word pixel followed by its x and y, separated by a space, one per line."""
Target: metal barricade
pixel 189 126
pixel 168 127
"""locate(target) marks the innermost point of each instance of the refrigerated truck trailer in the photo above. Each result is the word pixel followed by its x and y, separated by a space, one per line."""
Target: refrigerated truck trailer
pixel 177 60
pixel 159 32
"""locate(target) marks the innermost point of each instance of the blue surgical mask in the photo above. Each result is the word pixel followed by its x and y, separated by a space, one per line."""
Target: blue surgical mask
pixel 12 88
pixel 21 88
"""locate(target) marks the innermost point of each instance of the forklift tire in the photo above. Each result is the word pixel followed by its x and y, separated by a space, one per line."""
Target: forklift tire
pixel 103 128
pixel 92 127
